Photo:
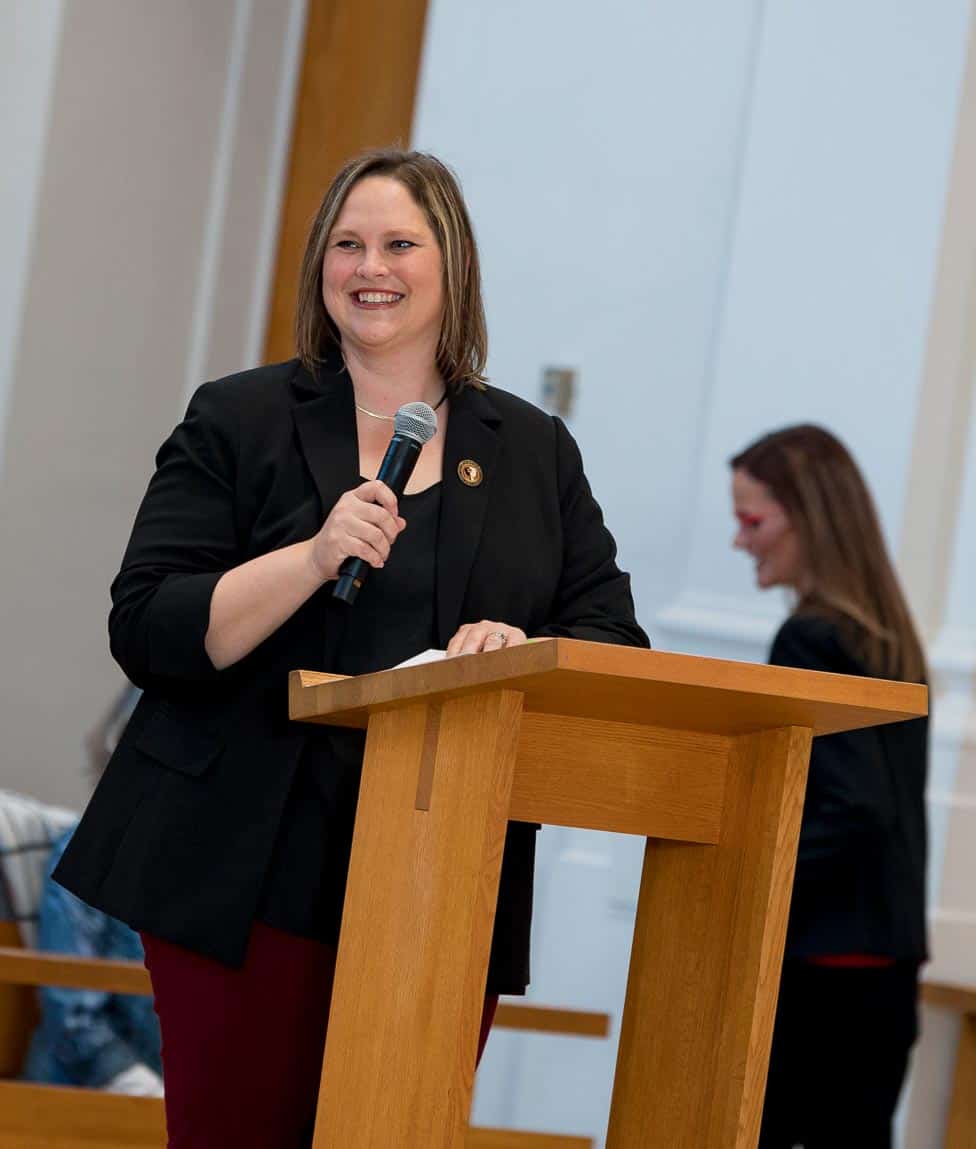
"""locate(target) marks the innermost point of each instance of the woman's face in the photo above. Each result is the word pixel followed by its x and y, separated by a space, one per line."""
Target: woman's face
pixel 382 280
pixel 766 533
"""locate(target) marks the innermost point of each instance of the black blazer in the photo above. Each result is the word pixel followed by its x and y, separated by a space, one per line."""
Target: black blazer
pixel 178 835
pixel 860 872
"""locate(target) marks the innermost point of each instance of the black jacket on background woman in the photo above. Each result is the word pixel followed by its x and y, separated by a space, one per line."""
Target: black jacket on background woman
pixel 179 834
pixel 860 871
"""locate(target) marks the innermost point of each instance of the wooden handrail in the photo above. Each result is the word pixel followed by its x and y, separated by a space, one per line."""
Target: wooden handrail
pixel 545 1019
pixel 35 1116
pixel 138 1121
pixel 59 1115
pixel 485 1138
pixel 29 967
pixel 947 995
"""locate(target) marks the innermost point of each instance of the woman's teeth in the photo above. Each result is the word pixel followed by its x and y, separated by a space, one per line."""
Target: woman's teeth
pixel 378 297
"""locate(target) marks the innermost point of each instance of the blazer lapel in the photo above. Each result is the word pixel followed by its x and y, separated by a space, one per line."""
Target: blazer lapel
pixel 326 422
pixel 325 419
pixel 472 437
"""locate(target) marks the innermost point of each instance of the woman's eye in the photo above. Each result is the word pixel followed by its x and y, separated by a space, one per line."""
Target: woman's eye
pixel 346 244
pixel 402 244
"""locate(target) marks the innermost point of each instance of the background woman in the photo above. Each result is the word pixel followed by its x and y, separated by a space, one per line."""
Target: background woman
pixel 221 830
pixel 846 1018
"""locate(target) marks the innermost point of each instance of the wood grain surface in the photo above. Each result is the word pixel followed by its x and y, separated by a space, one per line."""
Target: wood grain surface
pixel 340 109
pixel 622 684
pixel 417 923
pixel 708 945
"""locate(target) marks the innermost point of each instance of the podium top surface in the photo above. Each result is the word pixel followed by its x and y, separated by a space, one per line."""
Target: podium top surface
pixel 620 684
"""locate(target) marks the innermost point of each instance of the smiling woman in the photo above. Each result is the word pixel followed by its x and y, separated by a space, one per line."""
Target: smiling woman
pixel 380 193
pixel 391 280
pixel 220 830
pixel 381 275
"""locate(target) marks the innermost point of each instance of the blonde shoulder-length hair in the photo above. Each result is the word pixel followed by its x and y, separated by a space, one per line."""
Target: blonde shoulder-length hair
pixel 462 349
pixel 814 477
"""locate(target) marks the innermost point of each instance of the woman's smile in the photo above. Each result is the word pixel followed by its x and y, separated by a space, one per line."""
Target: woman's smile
pixel 371 300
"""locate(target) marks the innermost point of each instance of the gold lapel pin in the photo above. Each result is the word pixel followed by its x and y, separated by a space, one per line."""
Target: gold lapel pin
pixel 470 473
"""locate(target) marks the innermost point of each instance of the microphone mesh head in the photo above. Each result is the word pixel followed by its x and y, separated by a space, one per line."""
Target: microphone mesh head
pixel 416 421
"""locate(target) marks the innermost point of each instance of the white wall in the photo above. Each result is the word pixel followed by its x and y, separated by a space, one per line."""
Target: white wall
pixel 727 217
pixel 600 147
pixel 28 56
pixel 154 213
pixel 831 271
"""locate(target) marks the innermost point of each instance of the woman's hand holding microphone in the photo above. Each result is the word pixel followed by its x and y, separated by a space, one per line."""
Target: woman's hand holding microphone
pixel 363 524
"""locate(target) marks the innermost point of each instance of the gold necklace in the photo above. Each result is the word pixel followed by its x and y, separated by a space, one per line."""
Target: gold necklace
pixel 391 418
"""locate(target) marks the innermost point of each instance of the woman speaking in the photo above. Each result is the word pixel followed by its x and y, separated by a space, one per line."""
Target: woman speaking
pixel 220 830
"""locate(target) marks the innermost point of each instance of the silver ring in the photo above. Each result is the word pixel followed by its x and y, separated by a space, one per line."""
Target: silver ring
pixel 499 634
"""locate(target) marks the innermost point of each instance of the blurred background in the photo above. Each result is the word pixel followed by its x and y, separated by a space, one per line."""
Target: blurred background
pixel 698 221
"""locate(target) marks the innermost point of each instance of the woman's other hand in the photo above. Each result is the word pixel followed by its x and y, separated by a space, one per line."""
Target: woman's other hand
pixel 364 524
pixel 485 635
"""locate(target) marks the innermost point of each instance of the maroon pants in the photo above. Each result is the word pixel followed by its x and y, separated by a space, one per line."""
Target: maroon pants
pixel 242 1048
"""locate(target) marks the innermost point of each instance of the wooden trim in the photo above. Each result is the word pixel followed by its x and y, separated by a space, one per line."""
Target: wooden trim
pixel 56 1116
pixel 357 90
pixel 28 967
pixel 945 995
pixel 512 1139
pixel 425 780
pixel 19 1013
pixel 961 1125
pixel 545 1019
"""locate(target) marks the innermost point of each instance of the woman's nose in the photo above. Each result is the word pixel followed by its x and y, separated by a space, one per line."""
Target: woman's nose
pixel 372 264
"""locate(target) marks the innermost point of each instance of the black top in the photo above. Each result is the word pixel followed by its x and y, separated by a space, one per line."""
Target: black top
pixel 392 620
pixel 860 872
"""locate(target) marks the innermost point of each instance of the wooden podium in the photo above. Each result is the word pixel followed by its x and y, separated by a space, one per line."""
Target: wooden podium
pixel 705 758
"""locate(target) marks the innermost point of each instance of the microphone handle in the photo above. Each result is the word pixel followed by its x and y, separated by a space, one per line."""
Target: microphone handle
pixel 395 470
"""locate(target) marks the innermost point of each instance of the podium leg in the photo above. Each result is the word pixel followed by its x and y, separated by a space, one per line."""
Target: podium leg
pixel 417 923
pixel 705 966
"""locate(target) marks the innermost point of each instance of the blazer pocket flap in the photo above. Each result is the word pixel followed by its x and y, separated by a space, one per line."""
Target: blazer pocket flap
pixel 178 744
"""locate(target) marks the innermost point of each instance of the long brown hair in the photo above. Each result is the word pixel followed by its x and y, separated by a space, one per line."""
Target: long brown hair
pixel 462 349
pixel 814 477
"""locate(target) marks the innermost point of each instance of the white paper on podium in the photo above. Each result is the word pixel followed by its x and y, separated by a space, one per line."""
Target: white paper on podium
pixel 430 655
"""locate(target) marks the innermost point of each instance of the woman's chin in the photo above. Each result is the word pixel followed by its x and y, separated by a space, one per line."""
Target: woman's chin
pixel 373 336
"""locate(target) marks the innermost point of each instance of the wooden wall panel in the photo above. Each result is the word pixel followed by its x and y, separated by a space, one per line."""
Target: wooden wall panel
pixel 357 90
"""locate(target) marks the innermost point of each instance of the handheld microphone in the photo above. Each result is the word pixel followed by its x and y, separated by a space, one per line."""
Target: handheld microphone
pixel 413 425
